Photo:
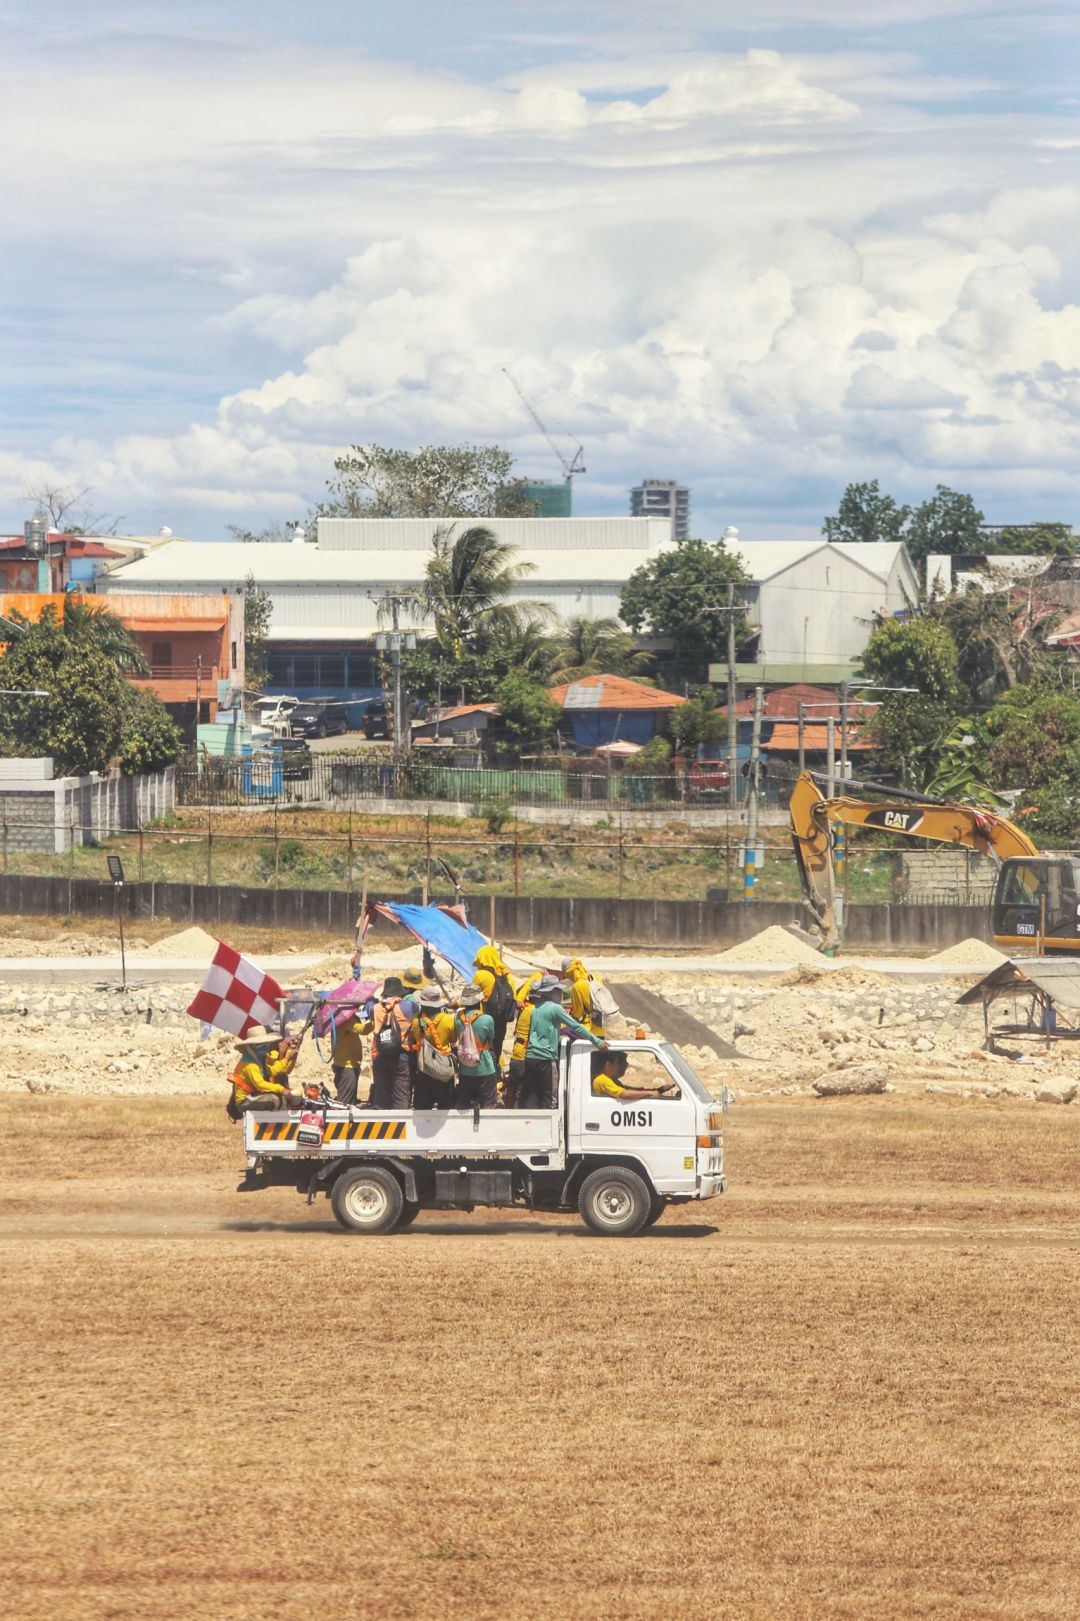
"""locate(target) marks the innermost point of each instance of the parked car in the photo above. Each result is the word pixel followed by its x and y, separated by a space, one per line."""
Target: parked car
pixel 319 717
pixel 376 719
pixel 707 777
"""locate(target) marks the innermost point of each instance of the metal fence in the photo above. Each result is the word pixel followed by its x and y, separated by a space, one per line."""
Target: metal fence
pixel 323 778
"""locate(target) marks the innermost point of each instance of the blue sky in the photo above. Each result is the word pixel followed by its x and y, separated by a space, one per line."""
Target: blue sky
pixel 765 250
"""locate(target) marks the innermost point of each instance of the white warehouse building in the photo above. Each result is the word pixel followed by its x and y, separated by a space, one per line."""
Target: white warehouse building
pixel 813 603
pixel 325 596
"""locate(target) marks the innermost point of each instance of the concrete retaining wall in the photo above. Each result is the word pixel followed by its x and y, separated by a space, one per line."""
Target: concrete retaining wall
pixel 47 814
pixel 607 922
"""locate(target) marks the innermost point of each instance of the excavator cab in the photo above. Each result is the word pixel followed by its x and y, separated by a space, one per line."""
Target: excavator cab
pixel 1037 899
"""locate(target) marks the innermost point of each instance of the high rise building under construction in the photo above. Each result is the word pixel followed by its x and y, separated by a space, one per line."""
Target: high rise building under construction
pixel 663 498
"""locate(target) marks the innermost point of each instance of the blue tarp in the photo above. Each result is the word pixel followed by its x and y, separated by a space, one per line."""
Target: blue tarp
pixel 449 939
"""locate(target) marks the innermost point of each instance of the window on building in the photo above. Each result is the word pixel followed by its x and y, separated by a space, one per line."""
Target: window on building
pixel 279 669
pixel 305 669
pixel 160 653
pixel 361 670
pixel 232 655
pixel 331 671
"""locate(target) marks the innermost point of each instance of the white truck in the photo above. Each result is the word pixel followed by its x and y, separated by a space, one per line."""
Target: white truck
pixel 620 1164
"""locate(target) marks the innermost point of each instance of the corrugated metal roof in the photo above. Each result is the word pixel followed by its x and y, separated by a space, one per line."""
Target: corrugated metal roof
pixel 1056 977
pixel 784 738
pixel 225 564
pixel 642 535
pixel 612 692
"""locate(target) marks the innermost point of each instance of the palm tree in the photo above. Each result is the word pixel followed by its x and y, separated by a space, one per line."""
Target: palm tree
pixel 594 647
pixel 104 632
pixel 469 580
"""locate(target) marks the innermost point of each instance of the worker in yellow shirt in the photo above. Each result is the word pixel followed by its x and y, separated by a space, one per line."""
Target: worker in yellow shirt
pixel 516 1068
pixel 433 1036
pixel 528 984
pixel 499 995
pixel 259 1080
pixel 581 982
pixel 607 1081
pixel 347 1058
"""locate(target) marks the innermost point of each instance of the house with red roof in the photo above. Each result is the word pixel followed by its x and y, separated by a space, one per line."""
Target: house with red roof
pixel 612 709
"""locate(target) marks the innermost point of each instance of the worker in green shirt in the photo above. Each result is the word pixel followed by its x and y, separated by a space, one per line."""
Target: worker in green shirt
pixel 478 1078
pixel 539 1088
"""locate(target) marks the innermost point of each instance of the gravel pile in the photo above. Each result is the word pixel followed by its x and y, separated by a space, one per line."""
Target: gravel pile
pixel 975 952
pixel 771 945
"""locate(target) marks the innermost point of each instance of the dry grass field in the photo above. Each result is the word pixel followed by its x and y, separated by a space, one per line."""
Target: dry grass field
pixel 846 1389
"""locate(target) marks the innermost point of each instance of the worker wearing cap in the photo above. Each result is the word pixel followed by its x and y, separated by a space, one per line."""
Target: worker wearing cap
pixel 577 977
pixel 607 1081
pixel 412 981
pixel 434 1023
pixel 515 1072
pixel 478 1084
pixel 539 1087
pixel 260 1077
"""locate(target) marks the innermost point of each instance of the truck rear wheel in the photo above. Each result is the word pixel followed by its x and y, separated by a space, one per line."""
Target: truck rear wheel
pixel 408 1215
pixel 614 1201
pixel 367 1199
pixel 657 1206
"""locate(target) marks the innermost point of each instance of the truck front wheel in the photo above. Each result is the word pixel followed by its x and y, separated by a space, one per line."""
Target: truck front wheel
pixel 614 1201
pixel 367 1200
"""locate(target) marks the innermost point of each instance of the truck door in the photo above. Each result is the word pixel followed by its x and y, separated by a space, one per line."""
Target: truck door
pixel 661 1130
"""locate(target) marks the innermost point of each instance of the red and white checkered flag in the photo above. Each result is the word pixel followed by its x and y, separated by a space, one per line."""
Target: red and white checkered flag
pixel 236 994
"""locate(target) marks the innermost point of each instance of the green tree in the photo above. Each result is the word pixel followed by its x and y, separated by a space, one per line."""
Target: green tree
pixel 865 514
pixel 1038 539
pixel 79 721
pixel 1035 738
pixel 696 722
pixel 150 739
pixel 258 612
pixel 908 731
pixel 594 647
pixel 529 717
pixel 680 595
pixel 917 653
pixel 948 522
pixel 436 481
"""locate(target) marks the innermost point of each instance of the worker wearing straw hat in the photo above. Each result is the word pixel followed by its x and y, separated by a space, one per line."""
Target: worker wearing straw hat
pixel 259 1079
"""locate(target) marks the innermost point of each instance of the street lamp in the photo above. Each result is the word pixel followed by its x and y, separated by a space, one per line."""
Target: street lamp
pixel 116 873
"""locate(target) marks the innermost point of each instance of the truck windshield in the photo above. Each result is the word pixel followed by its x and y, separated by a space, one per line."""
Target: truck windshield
pixel 682 1069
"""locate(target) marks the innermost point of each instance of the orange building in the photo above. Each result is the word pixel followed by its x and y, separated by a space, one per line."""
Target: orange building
pixel 190 640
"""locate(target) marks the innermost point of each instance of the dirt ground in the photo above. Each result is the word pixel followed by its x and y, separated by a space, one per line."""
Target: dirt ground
pixel 845 1389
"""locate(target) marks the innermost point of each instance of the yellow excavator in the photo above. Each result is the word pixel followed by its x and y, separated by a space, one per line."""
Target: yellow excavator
pixel 1036 901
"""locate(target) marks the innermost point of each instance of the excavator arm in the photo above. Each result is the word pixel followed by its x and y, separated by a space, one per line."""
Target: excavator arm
pixel 813 818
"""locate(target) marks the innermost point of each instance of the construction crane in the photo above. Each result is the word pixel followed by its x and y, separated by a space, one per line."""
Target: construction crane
pixel 570 468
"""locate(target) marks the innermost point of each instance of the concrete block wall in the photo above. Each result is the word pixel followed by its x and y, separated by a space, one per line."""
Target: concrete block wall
pixel 46 814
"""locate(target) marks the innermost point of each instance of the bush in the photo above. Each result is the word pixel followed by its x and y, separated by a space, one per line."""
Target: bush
pixel 494 810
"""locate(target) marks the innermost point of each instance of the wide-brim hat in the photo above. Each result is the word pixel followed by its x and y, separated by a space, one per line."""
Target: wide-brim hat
pixel 431 997
pixel 258 1036
pixel 413 978
pixel 471 996
pixel 548 984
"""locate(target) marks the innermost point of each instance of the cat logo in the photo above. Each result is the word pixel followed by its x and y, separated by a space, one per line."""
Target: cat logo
pixel 895 821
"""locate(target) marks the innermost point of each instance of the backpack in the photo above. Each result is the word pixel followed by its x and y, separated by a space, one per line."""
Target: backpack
pixel 435 1061
pixel 468 1050
pixel 604 1005
pixel 500 1004
pixel 388 1043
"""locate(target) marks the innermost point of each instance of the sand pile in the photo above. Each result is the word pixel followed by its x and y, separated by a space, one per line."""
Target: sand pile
pixel 772 945
pixel 188 943
pixel 974 952
pixel 62 944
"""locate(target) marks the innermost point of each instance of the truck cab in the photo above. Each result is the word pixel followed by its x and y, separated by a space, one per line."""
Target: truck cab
pixel 618 1162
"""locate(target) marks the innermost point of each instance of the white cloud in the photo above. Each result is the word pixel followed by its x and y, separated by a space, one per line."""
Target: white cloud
pixel 745 273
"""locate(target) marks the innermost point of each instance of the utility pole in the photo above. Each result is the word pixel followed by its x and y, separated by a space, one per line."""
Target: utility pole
pixel 844 695
pixel 750 852
pixel 830 757
pixel 392 642
pixel 802 738
pixel 732 720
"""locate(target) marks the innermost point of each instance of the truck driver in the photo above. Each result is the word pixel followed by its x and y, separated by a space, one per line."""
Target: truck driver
pixel 607 1081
